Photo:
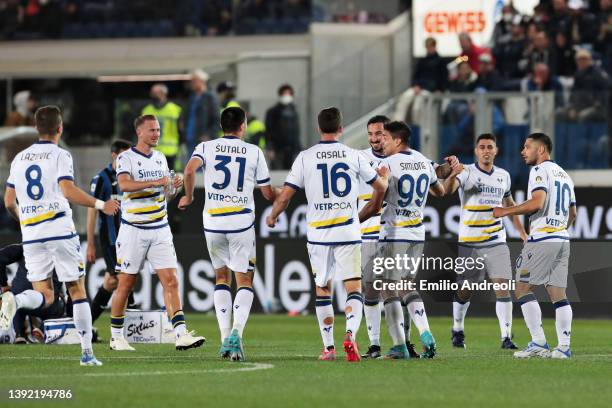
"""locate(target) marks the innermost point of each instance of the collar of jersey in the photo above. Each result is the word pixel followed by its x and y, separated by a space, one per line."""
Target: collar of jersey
pixel 230 137
pixel 381 156
pixel 43 142
pixel 488 173
pixel 328 141
pixel 408 152
pixel 148 156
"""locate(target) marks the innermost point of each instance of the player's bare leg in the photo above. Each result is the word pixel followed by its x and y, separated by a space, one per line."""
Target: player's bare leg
pixel 325 316
pixel 353 311
pixel 125 285
pixel 222 299
pixel 241 310
pixel 172 300
pixel 563 321
pixel 503 310
pixel 537 347
pixel 82 320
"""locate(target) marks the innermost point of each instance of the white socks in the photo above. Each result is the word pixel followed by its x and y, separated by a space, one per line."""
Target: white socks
pixel 222 299
pixel 460 309
pixel 503 309
pixel 563 322
pixel 353 311
pixel 416 308
pixel 325 316
pixel 242 308
pixel 533 318
pixel 81 314
pixel 395 321
pixel 372 312
pixel 29 299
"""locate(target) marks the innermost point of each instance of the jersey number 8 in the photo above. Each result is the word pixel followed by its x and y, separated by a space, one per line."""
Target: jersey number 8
pixel 33 175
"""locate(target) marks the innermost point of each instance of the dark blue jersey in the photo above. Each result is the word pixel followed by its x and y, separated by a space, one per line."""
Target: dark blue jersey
pixel 104 187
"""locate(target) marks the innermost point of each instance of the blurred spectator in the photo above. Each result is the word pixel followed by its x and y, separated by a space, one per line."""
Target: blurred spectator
pixel 464 82
pixel 488 78
pixel 293 8
pixel 471 51
pixel 256 131
pixel 23 115
pixel 283 129
pixel 202 113
pixel 541 51
pixel 11 15
pixel 509 53
pixel 430 75
pixel 226 92
pixel 589 98
pixel 583 25
pixel 564 56
pixel 187 17
pixel 217 18
pixel 603 43
pixel 168 114
pixel 502 33
pixel 542 80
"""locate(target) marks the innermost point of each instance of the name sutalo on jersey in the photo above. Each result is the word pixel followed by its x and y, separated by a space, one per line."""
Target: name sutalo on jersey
pixel 230 149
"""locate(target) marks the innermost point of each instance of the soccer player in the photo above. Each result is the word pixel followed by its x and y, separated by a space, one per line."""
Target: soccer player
pixel 544 260
pixel 143 177
pixel 41 179
pixel 411 177
pixel 369 240
pixel 232 169
pixel 104 186
pixel 330 173
pixel 483 186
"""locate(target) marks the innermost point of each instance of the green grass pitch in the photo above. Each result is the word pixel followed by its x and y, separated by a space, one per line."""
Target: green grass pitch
pixel 283 371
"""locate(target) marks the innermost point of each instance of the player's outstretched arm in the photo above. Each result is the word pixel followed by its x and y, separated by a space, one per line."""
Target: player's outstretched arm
pixel 534 204
pixel 437 189
pixel 189 182
pixel 379 189
pixel 450 183
pixel 280 204
pixel 10 202
pixel 516 220
pixel 92 215
pixel 77 196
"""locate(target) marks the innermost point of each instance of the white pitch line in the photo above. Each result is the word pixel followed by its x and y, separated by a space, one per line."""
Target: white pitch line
pixel 245 367
pixel 66 358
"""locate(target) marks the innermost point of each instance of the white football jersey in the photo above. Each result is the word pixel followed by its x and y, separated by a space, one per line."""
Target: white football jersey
pixel 480 192
pixel 147 208
pixel 371 227
pixel 232 169
pixel 44 212
pixel 550 223
pixel 411 174
pixel 330 173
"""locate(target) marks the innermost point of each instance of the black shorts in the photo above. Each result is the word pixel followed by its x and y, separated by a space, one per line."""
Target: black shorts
pixel 110 256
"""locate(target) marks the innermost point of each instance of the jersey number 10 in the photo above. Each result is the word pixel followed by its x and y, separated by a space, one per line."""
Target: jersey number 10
pixel 562 205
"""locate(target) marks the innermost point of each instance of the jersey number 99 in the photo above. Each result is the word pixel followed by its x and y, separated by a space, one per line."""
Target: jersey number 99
pixel 419 187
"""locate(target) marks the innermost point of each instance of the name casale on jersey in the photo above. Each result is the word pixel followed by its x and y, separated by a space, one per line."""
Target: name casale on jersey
pixel 479 192
pixel 331 173
pixel 232 169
